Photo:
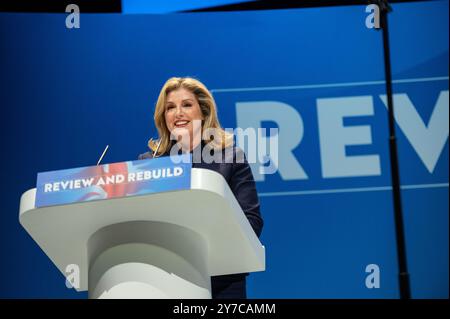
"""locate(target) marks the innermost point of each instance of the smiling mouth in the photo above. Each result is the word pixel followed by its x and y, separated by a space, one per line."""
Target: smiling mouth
pixel 181 123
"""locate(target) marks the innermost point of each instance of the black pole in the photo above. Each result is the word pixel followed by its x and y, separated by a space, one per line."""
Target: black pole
pixel 405 292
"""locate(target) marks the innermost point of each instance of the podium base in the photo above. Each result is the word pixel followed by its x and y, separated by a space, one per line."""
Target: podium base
pixel 143 259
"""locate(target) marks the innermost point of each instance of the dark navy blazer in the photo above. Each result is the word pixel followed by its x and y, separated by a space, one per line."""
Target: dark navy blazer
pixel 240 179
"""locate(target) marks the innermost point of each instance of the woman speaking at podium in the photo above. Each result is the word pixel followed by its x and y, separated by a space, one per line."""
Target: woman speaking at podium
pixel 184 112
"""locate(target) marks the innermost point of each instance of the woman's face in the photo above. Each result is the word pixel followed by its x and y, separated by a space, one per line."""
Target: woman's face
pixel 181 110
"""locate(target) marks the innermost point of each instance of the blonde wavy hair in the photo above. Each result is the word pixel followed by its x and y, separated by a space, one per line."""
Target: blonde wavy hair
pixel 207 107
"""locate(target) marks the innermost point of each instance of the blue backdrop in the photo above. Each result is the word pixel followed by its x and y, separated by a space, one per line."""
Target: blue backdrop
pixel 66 93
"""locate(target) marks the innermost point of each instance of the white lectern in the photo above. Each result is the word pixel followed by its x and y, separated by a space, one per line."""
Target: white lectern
pixel 160 245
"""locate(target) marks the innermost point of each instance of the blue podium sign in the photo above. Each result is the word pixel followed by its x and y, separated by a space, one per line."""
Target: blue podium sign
pixel 114 180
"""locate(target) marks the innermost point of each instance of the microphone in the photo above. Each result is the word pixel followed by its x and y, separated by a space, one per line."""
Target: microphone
pixel 103 154
pixel 157 147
